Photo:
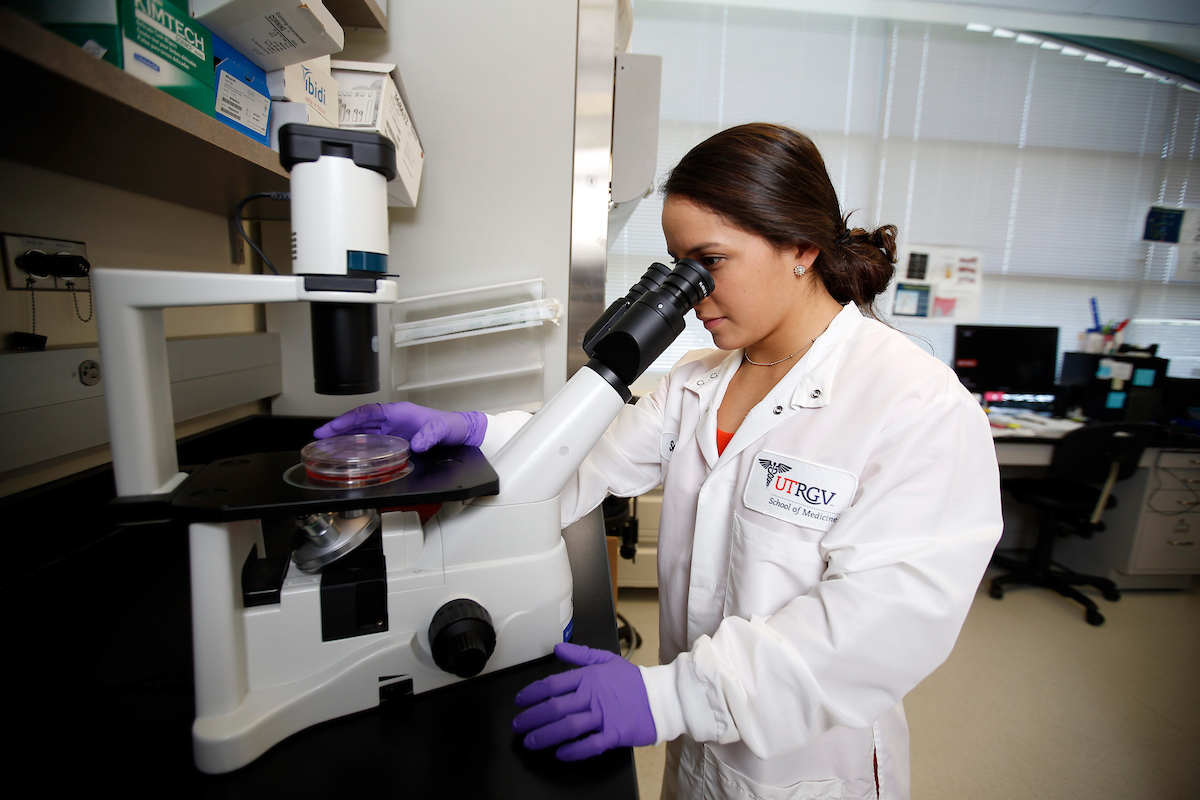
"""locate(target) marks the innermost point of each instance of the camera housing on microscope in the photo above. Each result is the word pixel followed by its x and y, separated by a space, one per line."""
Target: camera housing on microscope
pixel 340 244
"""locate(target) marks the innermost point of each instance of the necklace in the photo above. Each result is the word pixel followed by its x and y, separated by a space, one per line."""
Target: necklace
pixel 746 355
pixel 785 358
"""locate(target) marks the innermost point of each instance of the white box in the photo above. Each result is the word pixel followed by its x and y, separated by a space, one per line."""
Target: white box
pixel 273 33
pixel 307 82
pixel 283 112
pixel 369 98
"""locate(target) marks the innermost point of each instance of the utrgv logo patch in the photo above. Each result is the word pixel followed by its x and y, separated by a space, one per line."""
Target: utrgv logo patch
pixel 797 491
pixel 773 468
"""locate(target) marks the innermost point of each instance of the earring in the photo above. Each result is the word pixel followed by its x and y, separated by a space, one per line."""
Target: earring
pixel 799 270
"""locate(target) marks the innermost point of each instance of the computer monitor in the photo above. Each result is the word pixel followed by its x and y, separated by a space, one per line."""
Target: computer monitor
pixel 1010 366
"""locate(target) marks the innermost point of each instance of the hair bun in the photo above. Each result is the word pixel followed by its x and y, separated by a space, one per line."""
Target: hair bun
pixel 882 238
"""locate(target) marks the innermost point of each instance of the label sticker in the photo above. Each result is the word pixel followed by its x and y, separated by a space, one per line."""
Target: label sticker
pixel 94 48
pixel 242 104
pixel 796 491
pixel 667 445
pixel 1143 377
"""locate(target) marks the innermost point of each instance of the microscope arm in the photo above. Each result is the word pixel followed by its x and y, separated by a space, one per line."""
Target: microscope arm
pixel 536 463
pixel 129 313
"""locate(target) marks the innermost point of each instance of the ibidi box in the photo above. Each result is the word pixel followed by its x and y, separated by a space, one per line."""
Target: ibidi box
pixel 369 98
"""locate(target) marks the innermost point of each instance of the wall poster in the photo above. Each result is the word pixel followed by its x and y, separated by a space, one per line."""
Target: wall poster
pixel 940 284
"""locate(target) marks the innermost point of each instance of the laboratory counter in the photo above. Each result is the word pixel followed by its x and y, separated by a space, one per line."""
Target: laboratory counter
pixel 98 672
pixel 1032 445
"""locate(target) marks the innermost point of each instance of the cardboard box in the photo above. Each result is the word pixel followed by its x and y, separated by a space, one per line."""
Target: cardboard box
pixel 369 98
pixel 273 33
pixel 242 100
pixel 307 82
pixel 166 48
pixel 283 112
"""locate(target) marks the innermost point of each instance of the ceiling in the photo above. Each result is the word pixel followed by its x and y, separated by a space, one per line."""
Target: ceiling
pixel 1178 14
pixel 1169 25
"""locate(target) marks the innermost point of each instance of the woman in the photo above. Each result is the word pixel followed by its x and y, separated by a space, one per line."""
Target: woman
pixel 830 501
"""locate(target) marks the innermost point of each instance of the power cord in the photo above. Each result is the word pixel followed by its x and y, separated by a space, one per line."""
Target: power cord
pixel 237 221
pixel 628 637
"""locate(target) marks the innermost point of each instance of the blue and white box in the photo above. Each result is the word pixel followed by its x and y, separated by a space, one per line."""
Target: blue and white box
pixel 243 101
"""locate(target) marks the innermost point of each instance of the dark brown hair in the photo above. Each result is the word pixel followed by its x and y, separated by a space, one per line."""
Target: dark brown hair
pixel 771 181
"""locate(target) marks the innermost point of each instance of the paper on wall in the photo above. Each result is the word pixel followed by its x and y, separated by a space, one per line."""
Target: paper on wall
pixel 941 284
pixel 1187 263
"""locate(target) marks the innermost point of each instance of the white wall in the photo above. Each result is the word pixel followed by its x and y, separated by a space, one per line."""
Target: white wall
pixel 121 229
pixel 492 92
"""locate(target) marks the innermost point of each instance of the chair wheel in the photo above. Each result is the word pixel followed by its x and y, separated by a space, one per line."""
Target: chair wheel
pixel 996 592
pixel 1094 617
pixel 1112 595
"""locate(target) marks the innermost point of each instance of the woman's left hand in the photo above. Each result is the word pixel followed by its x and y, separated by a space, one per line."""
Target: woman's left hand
pixel 605 697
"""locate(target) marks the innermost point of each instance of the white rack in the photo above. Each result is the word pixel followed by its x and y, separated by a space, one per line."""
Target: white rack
pixel 476 323
pixel 475 349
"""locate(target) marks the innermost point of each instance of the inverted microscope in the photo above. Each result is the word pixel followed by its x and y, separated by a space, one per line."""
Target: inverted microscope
pixel 314 597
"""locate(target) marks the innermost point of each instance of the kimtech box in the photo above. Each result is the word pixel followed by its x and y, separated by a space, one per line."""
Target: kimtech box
pixel 166 48
pixel 94 25
pixel 153 40
pixel 369 99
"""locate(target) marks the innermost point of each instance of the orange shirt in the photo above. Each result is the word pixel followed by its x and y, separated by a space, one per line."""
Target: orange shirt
pixel 722 440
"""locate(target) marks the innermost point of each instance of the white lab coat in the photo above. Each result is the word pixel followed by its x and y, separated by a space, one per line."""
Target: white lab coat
pixel 796 612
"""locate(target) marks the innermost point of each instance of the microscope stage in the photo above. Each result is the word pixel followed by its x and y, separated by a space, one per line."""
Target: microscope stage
pixel 253 486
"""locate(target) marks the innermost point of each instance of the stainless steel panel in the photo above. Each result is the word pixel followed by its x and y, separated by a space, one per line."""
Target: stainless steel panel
pixel 595 69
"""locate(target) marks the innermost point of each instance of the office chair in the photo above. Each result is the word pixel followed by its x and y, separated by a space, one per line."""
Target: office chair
pixel 1087 462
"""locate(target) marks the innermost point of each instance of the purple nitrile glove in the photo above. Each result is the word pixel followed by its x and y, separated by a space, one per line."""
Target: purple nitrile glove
pixel 423 427
pixel 606 697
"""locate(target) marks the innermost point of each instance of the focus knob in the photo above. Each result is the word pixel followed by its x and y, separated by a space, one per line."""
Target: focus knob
pixel 462 638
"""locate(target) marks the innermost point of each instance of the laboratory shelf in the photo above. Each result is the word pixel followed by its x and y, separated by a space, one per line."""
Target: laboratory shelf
pixel 78 115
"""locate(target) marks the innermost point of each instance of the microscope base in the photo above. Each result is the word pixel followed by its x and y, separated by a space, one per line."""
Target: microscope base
pixel 264 673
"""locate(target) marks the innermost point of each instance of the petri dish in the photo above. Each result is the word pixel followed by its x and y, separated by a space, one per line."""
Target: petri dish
pixel 359 459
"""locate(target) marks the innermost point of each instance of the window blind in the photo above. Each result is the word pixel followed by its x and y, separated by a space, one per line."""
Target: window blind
pixel 1046 163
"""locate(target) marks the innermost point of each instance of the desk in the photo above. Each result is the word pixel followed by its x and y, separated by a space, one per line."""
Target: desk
pixel 1152 536
pixel 98 673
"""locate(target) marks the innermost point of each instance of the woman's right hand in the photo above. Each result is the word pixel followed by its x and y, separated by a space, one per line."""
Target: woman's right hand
pixel 423 427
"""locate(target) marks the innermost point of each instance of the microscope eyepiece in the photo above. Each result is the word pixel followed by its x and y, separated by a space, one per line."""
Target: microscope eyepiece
pixel 637 329
pixel 651 280
pixel 691 280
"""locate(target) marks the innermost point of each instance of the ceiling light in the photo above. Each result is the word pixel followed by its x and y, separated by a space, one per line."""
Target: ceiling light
pixel 1071 51
pixel 1095 58
pixel 1024 38
pixel 1135 70
pixel 979 28
pixel 1051 46
pixel 1112 62
pixel 1003 34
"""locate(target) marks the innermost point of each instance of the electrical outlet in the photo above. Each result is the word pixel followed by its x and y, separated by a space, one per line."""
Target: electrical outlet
pixel 16 245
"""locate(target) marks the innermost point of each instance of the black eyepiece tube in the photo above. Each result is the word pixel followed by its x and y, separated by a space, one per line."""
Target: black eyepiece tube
pixel 652 322
pixel 345 347
pixel 651 280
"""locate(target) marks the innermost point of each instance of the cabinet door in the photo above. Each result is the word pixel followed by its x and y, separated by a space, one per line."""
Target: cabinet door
pixel 1179 459
pixel 1168 542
